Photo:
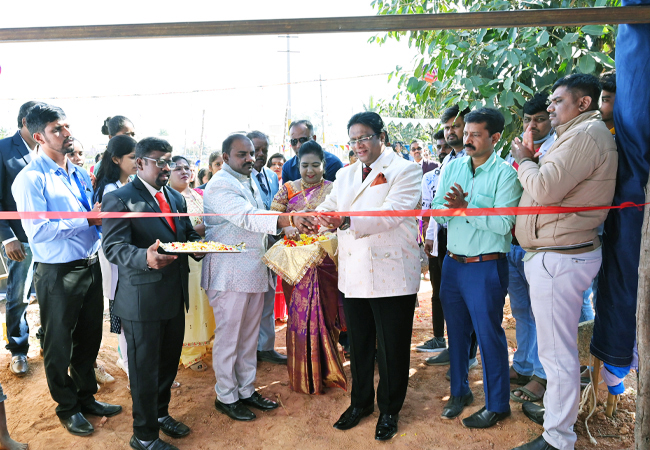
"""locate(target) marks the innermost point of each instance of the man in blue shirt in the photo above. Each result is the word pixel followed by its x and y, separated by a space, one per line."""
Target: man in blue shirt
pixel 68 278
pixel 300 132
pixel 475 270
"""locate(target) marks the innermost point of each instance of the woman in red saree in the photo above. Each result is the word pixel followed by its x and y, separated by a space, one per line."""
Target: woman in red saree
pixel 314 303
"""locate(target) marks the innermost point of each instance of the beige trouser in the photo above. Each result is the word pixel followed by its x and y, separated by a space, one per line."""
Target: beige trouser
pixel 234 354
pixel 557 282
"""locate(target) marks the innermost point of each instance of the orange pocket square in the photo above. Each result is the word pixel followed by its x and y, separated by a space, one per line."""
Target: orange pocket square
pixel 379 179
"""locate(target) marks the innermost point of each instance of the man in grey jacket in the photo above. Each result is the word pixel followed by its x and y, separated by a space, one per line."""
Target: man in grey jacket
pixel 236 283
pixel 563 252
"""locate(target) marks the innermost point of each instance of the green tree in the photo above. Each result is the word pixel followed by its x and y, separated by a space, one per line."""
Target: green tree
pixel 495 67
pixel 3 133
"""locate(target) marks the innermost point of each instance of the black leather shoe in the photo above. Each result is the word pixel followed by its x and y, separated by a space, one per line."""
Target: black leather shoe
pixel 19 365
pixel 236 411
pixel 271 356
pixel 386 427
pixel 77 425
pixel 155 445
pixel 534 412
pixel 484 418
pixel 173 428
pixel 351 417
pixel 455 405
pixel 537 444
pixel 257 401
pixel 101 409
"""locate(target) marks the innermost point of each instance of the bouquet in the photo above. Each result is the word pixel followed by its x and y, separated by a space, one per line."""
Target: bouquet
pixel 291 258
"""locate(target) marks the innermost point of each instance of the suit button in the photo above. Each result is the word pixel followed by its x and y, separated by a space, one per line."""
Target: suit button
pixel 387 255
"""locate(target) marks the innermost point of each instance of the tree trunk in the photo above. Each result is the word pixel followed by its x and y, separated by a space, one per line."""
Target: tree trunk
pixel 642 428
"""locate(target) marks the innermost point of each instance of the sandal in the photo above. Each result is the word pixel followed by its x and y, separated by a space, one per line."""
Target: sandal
pixel 199 366
pixel 531 396
pixel 520 379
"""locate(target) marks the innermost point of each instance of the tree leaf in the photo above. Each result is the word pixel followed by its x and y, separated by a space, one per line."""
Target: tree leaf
pixel 525 88
pixel 587 64
pixel 594 30
pixel 507 84
pixel 542 38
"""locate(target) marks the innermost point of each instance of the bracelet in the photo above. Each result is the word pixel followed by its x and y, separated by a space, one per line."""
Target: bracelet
pixel 291 222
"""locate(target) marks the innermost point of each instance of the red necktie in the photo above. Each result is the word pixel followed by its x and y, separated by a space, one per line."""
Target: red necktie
pixel 164 207
pixel 364 172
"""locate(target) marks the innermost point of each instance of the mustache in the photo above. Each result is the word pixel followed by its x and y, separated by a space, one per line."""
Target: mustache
pixel 470 146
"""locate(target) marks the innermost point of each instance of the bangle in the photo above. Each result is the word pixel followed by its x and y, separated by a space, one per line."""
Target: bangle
pixel 291 222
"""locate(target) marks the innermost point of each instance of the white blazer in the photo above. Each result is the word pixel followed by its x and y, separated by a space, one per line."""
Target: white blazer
pixel 378 256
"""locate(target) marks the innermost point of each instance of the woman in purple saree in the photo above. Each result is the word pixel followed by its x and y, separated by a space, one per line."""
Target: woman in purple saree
pixel 314 303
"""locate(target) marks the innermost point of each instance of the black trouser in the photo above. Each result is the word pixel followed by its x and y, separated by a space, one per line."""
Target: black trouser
pixel 71 305
pixel 154 350
pixel 388 322
pixel 435 274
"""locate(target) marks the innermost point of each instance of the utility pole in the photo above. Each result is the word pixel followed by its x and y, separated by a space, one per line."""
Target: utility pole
pixel 288 52
pixel 322 113
pixel 202 128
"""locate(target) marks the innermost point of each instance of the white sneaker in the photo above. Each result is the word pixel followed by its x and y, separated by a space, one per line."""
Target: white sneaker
pixel 121 365
pixel 102 376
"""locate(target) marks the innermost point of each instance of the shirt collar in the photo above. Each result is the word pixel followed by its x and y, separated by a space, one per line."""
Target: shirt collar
pixel 152 190
pixel 486 166
pixel 237 175
pixel 27 146
pixel 376 163
pixel 54 167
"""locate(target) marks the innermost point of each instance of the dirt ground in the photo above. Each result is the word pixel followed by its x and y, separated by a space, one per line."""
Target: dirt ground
pixel 303 422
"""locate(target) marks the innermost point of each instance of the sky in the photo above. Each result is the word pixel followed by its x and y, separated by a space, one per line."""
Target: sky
pixel 242 80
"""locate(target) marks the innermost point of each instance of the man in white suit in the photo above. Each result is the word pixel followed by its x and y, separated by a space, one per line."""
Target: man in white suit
pixel 379 269
pixel 268 185
pixel 236 283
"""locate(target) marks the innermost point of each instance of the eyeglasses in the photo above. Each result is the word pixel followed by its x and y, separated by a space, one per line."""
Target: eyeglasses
pixel 355 142
pixel 302 140
pixel 160 163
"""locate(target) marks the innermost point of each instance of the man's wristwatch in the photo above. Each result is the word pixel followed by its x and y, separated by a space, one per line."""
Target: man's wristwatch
pixel 346 223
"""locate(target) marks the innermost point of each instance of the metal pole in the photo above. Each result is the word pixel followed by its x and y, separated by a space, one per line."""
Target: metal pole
pixel 322 113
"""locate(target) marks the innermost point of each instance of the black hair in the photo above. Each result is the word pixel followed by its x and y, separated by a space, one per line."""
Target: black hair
pixel 537 104
pixel 440 134
pixel 492 118
pixel 109 172
pixel 113 125
pixel 311 148
pixel 177 158
pixel 608 81
pixel 372 120
pixel 453 112
pixel 22 113
pixel 351 153
pixel 98 156
pixel 151 144
pixel 256 135
pixel 203 172
pixel 40 115
pixel 275 155
pixel 304 122
pixel 227 144
pixel 213 157
pixel 581 83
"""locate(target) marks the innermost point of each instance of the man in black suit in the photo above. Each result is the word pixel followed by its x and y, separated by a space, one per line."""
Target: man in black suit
pixel 15 154
pixel 152 289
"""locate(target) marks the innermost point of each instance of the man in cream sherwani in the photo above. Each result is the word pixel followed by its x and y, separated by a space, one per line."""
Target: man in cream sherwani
pixel 379 269
pixel 236 283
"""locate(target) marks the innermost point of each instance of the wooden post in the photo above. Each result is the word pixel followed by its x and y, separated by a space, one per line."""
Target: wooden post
pixel 642 428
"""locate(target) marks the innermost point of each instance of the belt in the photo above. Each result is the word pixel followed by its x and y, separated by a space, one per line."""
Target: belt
pixel 85 262
pixel 475 259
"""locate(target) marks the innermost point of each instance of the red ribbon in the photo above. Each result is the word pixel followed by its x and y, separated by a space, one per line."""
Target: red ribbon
pixel 512 211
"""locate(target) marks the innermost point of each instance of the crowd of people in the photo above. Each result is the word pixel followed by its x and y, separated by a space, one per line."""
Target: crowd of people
pixel 171 309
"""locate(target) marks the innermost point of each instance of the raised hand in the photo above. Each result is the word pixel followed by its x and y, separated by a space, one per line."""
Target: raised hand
pixel 456 197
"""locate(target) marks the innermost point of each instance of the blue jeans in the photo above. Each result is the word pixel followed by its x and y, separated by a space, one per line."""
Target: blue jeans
pixel 587 312
pixel 473 296
pixel 526 359
pixel 19 283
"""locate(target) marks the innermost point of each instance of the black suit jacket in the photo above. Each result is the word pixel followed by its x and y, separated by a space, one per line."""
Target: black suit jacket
pixel 14 156
pixel 145 294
